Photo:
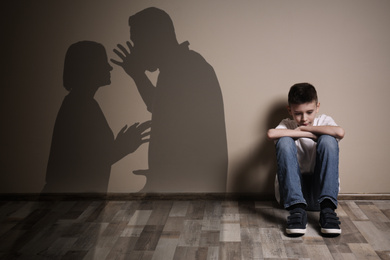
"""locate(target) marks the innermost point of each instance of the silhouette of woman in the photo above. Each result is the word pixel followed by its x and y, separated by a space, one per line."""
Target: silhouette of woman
pixel 83 145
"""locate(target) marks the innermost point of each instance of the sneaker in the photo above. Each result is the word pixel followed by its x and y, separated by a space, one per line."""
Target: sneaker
pixel 329 222
pixel 297 222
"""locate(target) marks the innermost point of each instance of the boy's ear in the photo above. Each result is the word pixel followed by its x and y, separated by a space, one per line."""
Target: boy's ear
pixel 318 106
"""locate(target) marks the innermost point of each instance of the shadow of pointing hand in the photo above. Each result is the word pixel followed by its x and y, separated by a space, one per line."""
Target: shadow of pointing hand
pixel 130 63
pixel 130 138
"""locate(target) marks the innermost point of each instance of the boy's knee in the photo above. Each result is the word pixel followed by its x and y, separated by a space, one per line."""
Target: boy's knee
pixel 285 142
pixel 327 142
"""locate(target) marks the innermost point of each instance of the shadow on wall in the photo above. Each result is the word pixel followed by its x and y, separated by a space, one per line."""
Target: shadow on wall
pixel 188 146
pixel 257 172
pixel 83 146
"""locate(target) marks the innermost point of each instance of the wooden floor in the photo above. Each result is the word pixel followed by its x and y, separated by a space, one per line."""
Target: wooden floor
pixel 184 230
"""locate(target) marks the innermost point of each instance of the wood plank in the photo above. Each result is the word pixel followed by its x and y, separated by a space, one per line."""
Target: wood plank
pixel 272 218
pixel 246 207
pixel 98 208
pixel 230 232
pixel 196 210
pixel 190 235
pixel 148 239
pixel 40 240
pixel 230 251
pixel 122 247
pixel 109 211
pixel 354 212
pixel 251 244
pixel 378 239
pixel 250 220
pixel 230 218
pixel 76 210
pixel 88 239
pixel 230 207
pixel 179 209
pixel 319 252
pixel 272 243
pixel 339 250
pixel 190 253
pixel 213 253
pixel 295 249
pixel 74 255
pixel 363 251
pixel 166 246
pixel 373 213
pixel 8 208
pixel 383 254
pixel 160 213
pixel 212 209
pixel 211 224
pixel 209 238
pixel 140 218
pixel 174 224
pixel 89 212
pixel 349 233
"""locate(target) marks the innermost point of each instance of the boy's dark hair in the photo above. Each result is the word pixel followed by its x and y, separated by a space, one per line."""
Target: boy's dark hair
pixel 301 93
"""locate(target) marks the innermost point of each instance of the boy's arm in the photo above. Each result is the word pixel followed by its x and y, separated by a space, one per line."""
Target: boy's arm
pixel 335 131
pixel 274 134
pixel 306 132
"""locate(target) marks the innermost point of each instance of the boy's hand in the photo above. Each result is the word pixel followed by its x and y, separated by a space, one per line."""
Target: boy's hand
pixel 335 131
pixel 307 133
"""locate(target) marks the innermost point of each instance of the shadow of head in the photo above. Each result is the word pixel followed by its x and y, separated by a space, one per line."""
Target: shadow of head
pixel 153 36
pixel 86 66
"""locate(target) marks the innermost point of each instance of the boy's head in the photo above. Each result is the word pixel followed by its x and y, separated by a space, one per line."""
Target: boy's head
pixel 303 103
pixel 302 93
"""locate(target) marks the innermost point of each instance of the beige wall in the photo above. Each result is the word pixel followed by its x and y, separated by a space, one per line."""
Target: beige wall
pixel 258 50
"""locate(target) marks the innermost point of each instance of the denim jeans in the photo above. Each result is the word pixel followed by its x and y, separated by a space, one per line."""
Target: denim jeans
pixel 309 189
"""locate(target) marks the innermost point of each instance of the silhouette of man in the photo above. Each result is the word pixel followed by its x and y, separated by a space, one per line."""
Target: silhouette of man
pixel 188 147
pixel 83 146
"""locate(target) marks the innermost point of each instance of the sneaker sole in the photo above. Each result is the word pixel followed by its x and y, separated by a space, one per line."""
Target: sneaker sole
pixel 330 231
pixel 296 231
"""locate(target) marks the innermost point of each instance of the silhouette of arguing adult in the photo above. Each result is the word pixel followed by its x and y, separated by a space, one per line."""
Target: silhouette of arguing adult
pixel 188 147
pixel 83 146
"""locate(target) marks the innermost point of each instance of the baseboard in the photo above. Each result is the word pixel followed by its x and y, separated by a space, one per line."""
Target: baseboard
pixel 170 196
pixel 364 196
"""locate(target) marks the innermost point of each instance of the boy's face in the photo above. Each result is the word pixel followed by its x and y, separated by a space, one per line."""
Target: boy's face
pixel 305 113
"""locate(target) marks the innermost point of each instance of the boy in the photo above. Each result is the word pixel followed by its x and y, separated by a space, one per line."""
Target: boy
pixel 307 155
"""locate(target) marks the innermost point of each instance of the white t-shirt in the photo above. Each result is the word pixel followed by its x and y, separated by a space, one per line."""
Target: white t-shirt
pixel 306 147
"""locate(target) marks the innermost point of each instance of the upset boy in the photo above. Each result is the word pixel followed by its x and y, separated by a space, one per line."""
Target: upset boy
pixel 307 154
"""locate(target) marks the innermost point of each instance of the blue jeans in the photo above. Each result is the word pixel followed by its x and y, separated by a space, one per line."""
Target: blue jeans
pixel 309 189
